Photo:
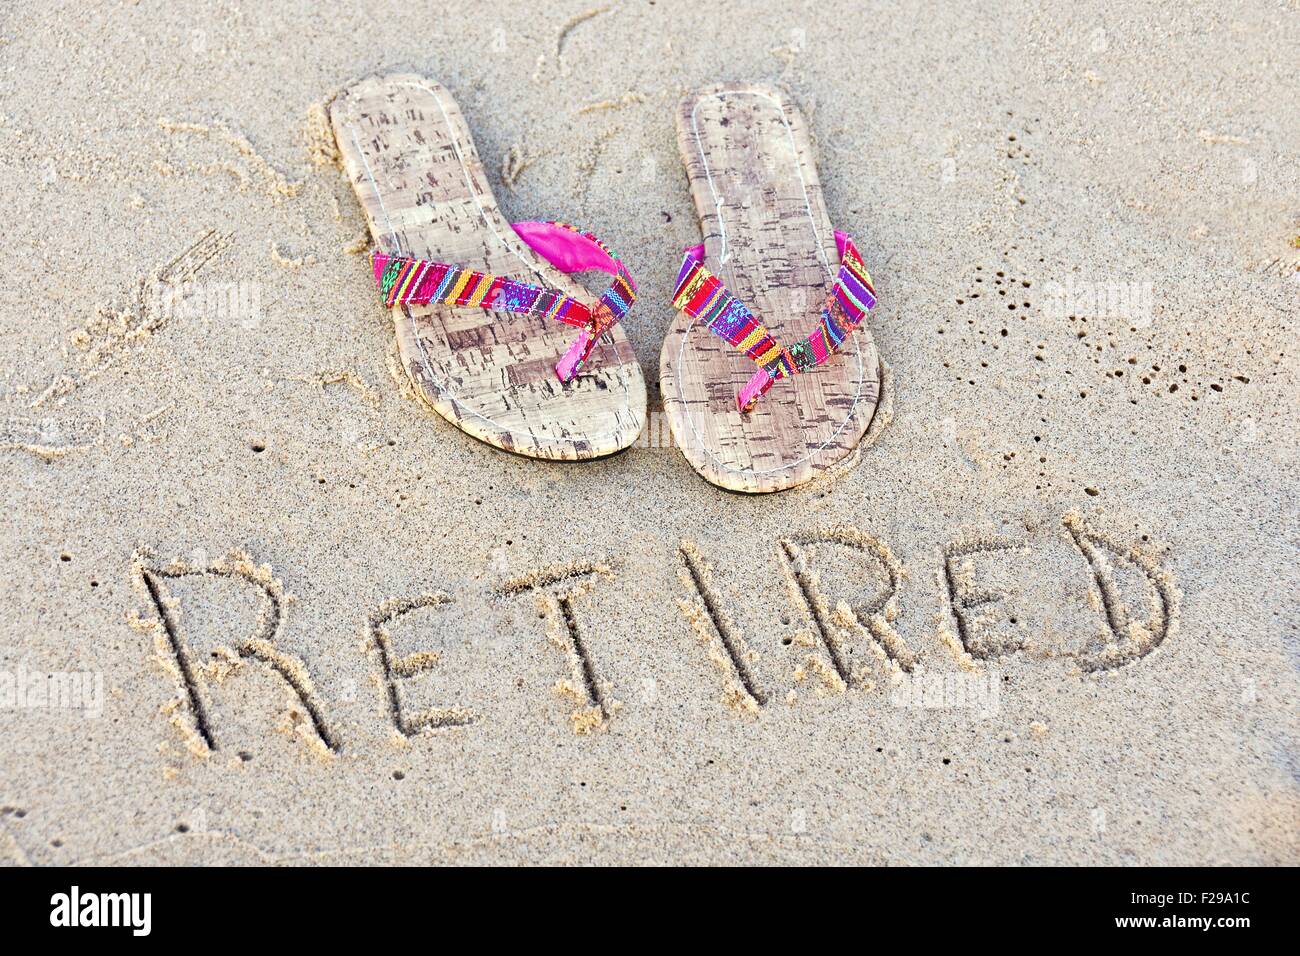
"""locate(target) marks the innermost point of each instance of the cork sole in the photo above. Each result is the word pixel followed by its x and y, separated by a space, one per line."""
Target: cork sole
pixel 767 235
pixel 411 159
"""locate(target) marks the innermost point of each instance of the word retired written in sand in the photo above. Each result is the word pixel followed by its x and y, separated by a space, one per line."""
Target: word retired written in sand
pixel 1129 600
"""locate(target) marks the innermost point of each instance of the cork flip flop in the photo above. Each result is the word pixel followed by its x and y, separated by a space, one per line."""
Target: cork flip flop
pixel 494 332
pixel 773 284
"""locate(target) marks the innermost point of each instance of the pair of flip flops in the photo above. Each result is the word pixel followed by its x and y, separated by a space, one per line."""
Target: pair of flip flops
pixel 500 339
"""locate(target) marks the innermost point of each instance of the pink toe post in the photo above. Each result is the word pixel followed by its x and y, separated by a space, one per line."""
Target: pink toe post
pixel 754 389
pixel 570 250
pixel 701 294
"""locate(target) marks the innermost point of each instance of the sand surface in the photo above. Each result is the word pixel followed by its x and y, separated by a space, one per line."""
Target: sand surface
pixel 1050 614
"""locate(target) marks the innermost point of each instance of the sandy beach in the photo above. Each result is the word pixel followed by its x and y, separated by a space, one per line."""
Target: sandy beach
pixel 264 606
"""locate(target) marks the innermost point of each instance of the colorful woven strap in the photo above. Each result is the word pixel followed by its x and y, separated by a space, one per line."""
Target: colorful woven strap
pixel 420 282
pixel 701 294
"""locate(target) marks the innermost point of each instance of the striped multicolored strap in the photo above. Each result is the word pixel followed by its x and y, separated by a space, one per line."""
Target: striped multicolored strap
pixel 403 280
pixel 701 294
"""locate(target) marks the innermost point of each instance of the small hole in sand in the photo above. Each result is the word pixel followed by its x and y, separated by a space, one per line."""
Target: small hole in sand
pixel 398 775
pixel 182 828
pixel 258 447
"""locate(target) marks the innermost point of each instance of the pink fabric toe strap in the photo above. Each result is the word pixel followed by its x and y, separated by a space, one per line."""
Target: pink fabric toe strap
pixel 701 295
pixel 420 282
